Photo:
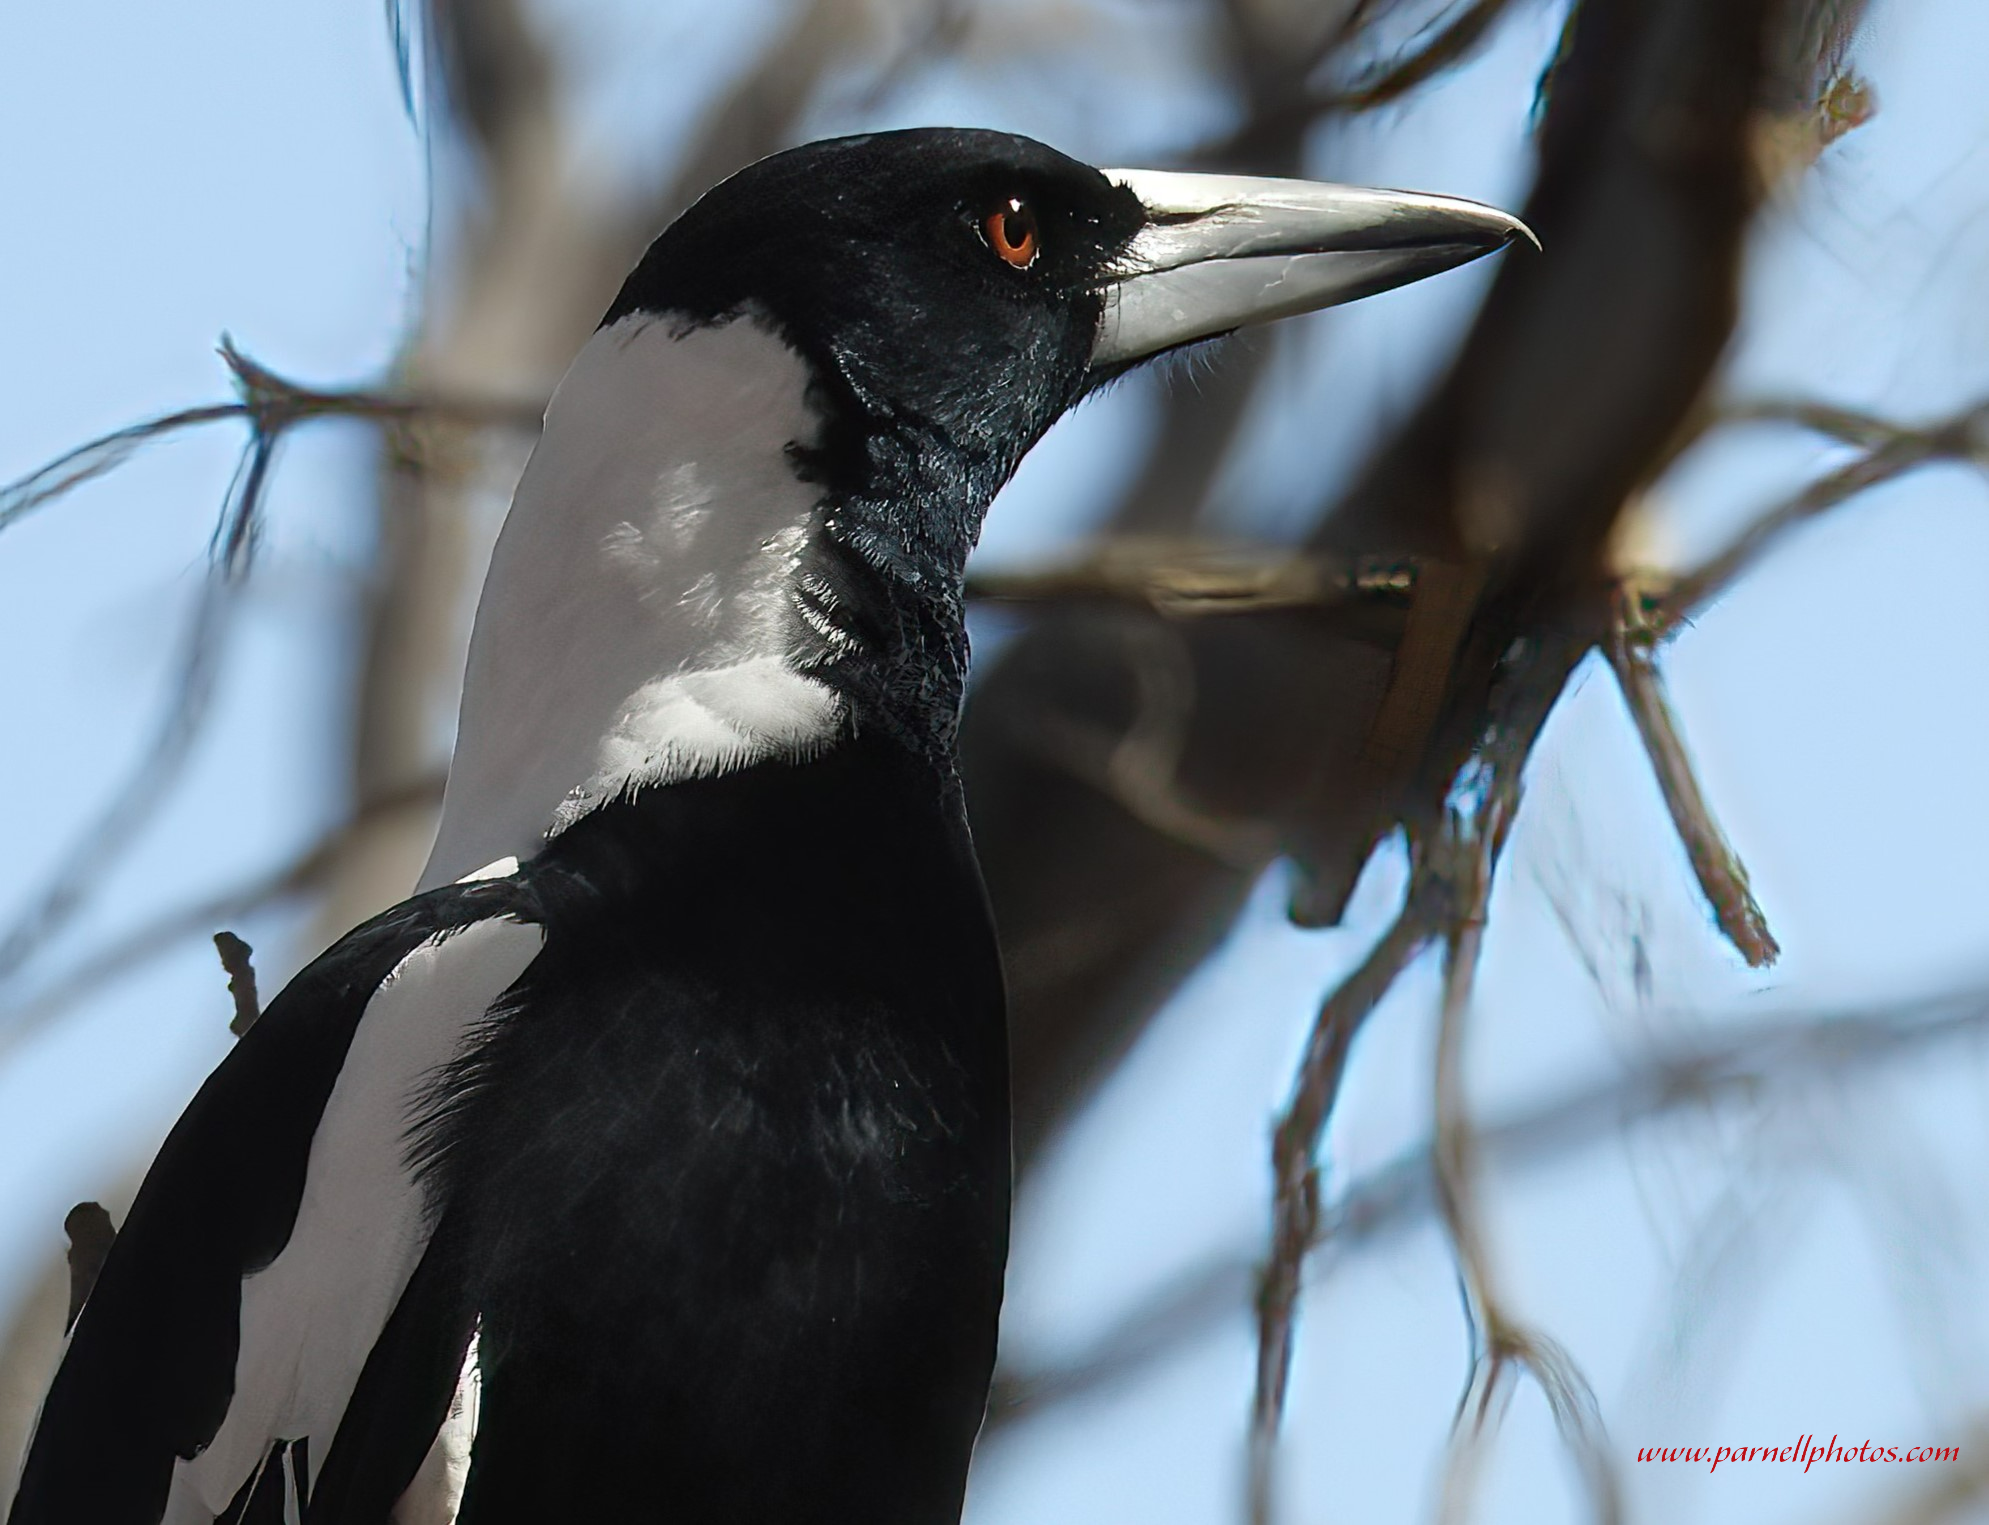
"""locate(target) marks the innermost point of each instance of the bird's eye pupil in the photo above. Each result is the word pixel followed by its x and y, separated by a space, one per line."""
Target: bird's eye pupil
pixel 1011 232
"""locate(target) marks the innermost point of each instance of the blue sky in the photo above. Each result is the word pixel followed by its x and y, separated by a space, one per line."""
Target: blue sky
pixel 233 168
pixel 180 173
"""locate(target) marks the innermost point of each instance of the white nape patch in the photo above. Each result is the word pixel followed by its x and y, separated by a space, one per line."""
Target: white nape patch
pixel 310 1317
pixel 640 621
pixel 497 868
pixel 436 1494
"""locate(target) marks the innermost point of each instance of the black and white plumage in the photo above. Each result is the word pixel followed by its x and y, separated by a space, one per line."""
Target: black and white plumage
pixel 652 1161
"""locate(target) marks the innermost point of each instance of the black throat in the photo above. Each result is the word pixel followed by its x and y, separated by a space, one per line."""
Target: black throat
pixel 903 512
pixel 934 369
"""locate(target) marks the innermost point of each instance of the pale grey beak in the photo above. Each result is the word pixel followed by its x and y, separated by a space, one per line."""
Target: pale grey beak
pixel 1220 252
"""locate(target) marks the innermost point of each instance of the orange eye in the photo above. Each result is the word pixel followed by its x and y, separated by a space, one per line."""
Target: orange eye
pixel 1011 233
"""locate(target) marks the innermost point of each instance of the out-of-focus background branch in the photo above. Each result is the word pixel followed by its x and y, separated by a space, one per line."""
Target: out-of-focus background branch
pixel 1245 631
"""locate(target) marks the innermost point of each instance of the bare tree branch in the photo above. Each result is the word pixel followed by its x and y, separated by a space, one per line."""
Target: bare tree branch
pixel 1738 1061
pixel 1191 578
pixel 1288 111
pixel 1466 855
pixel 270 404
pixel 499 77
pixel 1721 875
pixel 1890 451
pixel 1295 1174
pixel 1450 878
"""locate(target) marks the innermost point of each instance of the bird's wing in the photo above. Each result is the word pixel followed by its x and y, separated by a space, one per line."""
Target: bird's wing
pixel 276 1236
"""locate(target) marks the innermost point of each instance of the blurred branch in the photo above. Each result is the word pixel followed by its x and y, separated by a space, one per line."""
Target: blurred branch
pixel 1954 1492
pixel 1890 450
pixel 1290 110
pixel 1513 472
pixel 270 405
pixel 1295 1173
pixel 131 950
pixel 1466 855
pixel 1741 1060
pixel 1448 46
pixel 1450 882
pixel 1721 875
pixel 761 110
pixel 499 78
pixel 190 694
pixel 1847 425
pixel 1187 578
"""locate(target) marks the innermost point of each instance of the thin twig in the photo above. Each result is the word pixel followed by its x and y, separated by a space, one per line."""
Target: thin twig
pixel 1721 875
pixel 132 950
pixel 1850 426
pixel 1463 859
pixel 1436 905
pixel 121 822
pixel 1641 622
pixel 1295 1192
pixel 1467 854
pixel 75 467
pixel 268 402
pixel 1468 848
pixel 1738 1062
pixel 237 958
pixel 1891 451
pixel 271 405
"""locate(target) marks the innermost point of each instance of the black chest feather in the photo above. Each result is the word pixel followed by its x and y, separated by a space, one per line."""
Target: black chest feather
pixel 727 1180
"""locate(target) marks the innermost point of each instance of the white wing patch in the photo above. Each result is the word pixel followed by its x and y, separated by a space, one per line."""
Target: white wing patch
pixel 640 622
pixel 436 1493
pixel 499 868
pixel 310 1317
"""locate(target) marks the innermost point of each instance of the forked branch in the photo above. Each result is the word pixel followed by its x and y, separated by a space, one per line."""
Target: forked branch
pixel 1449 886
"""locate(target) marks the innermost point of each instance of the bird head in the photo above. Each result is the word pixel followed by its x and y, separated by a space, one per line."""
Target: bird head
pixel 745 529
pixel 955 291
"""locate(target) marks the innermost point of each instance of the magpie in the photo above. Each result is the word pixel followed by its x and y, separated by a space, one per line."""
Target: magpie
pixel 651 1161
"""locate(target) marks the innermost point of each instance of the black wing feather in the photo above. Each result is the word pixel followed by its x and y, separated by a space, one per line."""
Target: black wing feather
pixel 150 1368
